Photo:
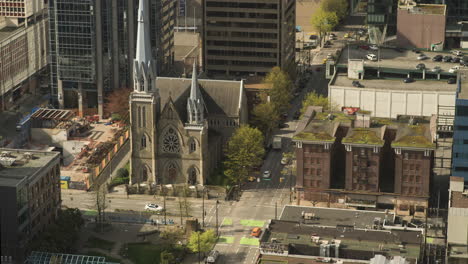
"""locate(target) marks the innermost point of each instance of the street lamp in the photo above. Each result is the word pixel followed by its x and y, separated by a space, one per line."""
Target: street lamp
pixel 217 227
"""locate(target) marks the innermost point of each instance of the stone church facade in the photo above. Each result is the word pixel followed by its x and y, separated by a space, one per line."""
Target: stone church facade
pixel 179 126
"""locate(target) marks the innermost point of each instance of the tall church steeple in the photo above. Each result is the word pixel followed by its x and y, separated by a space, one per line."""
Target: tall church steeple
pixel 144 74
pixel 195 104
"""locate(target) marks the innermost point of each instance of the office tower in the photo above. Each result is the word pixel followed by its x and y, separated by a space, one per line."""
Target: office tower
pixel 248 37
pixel 92 46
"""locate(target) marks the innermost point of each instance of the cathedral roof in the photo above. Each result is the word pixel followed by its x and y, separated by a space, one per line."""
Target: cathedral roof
pixel 222 98
pixel 143 45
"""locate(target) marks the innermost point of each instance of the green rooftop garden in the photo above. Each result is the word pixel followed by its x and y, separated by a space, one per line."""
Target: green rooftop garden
pixel 363 136
pixel 315 136
pixel 415 138
pixel 337 116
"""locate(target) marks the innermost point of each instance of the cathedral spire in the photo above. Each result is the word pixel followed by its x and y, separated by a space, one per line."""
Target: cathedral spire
pixel 144 75
pixel 195 104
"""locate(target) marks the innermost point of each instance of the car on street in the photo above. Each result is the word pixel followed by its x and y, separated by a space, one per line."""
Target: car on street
pixel 212 256
pixel 357 84
pixel 252 178
pixel 267 174
pixel 422 57
pixel 285 160
pixel 456 60
pixel 153 207
pixel 374 47
pixel 454 69
pixel 437 58
pixel 347 35
pixel 331 36
pixel 436 69
pixel 457 53
pixel 420 66
pixel 408 80
pixel 451 80
pixel 256 231
pixel 447 59
pixel 364 47
pixel 371 57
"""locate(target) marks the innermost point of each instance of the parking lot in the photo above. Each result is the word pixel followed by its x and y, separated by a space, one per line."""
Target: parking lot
pixel 392 58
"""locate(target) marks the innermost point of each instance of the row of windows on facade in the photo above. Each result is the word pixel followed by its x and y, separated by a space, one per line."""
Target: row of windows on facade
pixel 242 53
pixel 412 178
pixel 241 34
pixel 242 63
pixel 363 187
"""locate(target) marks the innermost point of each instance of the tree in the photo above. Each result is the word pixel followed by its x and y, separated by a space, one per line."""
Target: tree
pixel 244 151
pixel 339 7
pixel 172 234
pixel 281 88
pixel 324 21
pixel 167 257
pixel 101 203
pixel 265 118
pixel 184 205
pixel 202 242
pixel 117 102
pixel 314 99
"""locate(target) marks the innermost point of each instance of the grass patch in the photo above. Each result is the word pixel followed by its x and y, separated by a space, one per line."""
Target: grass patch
pixel 226 222
pixel 108 258
pixel 226 239
pixel 256 223
pixel 147 253
pixel 90 213
pixel 95 242
pixel 249 241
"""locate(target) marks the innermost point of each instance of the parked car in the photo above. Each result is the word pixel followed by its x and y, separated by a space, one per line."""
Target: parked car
pixel 437 58
pixel 297 114
pixel 212 256
pixel 285 160
pixel 451 80
pixel 436 69
pixel 371 57
pixel 422 57
pixel 374 47
pixel 464 61
pixel 416 50
pixel 457 53
pixel 362 31
pixel 256 231
pixel 420 66
pixel 252 179
pixel 357 84
pixel 447 59
pixel 397 49
pixel 408 80
pixel 364 47
pixel 454 69
pixel 267 174
pixel 153 207
pixel 347 35
pixel 331 36
pixel 456 60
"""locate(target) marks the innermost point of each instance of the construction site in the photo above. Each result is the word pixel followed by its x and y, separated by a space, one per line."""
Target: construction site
pixel 87 144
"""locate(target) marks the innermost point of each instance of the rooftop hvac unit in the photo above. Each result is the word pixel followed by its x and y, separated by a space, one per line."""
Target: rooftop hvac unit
pixel 28 155
pixel 7 161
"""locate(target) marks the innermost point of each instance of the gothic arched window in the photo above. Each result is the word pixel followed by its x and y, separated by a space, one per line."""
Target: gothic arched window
pixel 143 141
pixel 143 114
pixel 193 145
pixel 144 174
pixel 171 141
pixel 142 86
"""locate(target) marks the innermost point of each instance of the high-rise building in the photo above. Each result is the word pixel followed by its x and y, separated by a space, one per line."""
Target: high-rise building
pixel 460 129
pixel 382 15
pixel 92 46
pixel 30 195
pixel 23 47
pixel 248 37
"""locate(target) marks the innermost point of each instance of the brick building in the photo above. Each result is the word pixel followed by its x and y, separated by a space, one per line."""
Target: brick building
pixel 359 161
pixel 30 195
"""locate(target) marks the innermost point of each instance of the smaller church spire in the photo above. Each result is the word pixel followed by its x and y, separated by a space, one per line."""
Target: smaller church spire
pixel 195 104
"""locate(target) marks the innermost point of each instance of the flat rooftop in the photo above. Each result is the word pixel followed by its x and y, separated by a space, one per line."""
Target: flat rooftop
pixel 342 79
pixel 424 9
pixel 396 61
pixel 17 165
pixel 6 32
pixel 333 217
pixel 463 83
pixel 357 240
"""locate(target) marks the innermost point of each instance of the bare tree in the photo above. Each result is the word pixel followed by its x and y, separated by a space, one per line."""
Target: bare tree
pixel 101 204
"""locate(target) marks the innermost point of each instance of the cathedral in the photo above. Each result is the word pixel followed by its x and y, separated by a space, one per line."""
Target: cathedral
pixel 179 127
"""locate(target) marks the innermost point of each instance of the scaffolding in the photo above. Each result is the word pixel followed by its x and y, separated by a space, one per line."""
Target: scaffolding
pixel 57 258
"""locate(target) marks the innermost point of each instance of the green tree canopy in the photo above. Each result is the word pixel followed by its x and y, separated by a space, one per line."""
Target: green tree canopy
pixel 314 99
pixel 167 257
pixel 265 118
pixel 324 21
pixel 202 242
pixel 244 151
pixel 339 7
pixel 281 88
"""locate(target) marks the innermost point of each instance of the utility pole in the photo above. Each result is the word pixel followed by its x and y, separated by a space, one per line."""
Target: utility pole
pixel 203 207
pixel 290 184
pixel 164 201
pixel 276 210
pixel 198 247
pixel 217 229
